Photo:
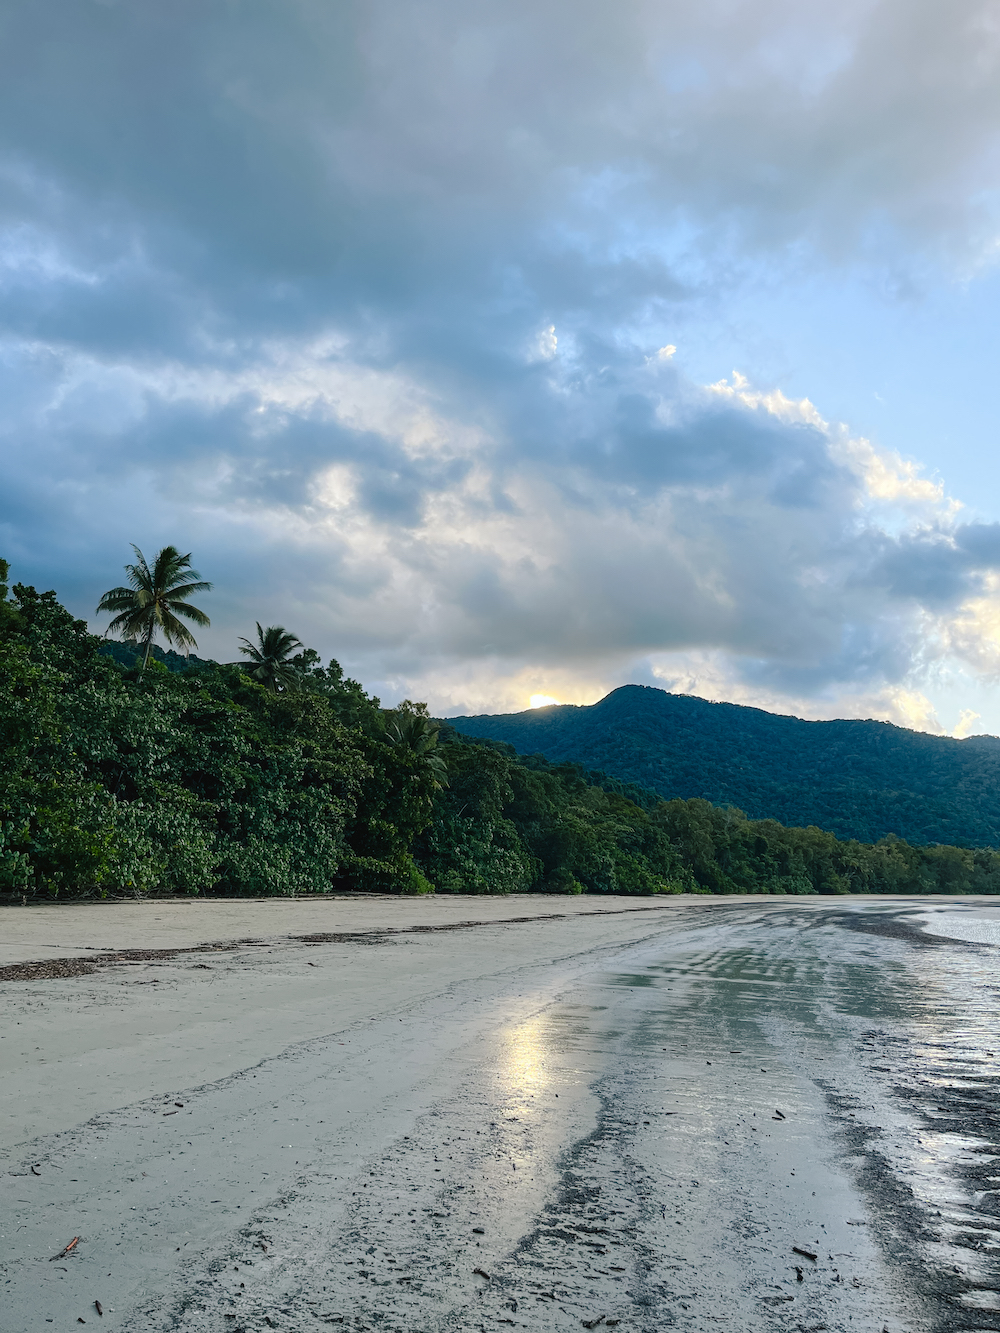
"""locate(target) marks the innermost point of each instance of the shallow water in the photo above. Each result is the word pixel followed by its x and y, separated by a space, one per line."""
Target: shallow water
pixel 778 1082
pixel 879 1054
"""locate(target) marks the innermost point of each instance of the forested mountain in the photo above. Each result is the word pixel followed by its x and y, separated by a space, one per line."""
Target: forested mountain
pixel 857 779
pixel 125 655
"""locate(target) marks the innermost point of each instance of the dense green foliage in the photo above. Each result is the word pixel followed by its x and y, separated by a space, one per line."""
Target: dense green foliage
pixel 192 777
pixel 858 779
pixel 190 781
pixel 585 831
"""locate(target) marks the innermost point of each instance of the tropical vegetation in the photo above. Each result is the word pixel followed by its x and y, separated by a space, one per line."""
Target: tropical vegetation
pixel 127 769
pixel 153 600
pixel 272 657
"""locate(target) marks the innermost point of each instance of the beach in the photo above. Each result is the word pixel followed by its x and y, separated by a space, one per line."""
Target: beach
pixel 531 1112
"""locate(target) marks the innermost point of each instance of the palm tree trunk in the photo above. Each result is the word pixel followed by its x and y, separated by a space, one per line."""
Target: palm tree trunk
pixel 145 656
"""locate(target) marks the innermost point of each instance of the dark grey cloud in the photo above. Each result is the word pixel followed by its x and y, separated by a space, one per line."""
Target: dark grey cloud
pixel 979 544
pixel 276 161
pixel 936 569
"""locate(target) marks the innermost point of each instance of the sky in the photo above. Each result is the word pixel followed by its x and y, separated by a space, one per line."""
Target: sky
pixel 515 351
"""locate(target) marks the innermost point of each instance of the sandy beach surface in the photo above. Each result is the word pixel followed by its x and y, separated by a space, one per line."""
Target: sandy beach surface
pixel 477 1114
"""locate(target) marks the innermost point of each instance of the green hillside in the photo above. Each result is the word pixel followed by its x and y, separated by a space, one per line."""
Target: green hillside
pixel 858 779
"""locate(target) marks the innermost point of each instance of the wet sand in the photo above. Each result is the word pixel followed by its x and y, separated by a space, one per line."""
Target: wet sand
pixel 649 1116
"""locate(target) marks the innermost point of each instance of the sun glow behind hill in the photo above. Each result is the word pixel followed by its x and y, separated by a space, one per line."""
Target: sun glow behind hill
pixel 542 701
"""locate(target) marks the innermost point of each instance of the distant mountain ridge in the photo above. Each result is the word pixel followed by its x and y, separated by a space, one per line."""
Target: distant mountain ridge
pixel 130 655
pixel 858 779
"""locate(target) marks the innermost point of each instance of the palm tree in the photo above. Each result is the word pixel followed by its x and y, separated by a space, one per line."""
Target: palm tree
pixel 271 658
pixel 154 599
pixel 411 731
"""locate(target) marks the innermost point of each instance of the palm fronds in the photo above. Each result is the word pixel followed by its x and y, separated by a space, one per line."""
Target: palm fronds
pixel 414 733
pixel 270 659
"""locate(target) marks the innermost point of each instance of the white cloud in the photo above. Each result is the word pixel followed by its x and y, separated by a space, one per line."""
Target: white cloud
pixel 801 411
pixel 966 723
pixel 972 632
pixel 895 480
pixel 546 344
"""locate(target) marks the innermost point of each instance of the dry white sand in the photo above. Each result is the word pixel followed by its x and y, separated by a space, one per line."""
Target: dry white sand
pixel 65 931
pixel 339 1134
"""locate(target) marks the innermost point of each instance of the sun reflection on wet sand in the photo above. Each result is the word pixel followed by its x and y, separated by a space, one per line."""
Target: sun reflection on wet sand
pixel 523 1067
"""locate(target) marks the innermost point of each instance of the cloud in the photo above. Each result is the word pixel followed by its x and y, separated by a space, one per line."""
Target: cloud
pixel 374 308
pixel 715 676
pixel 966 724
pixel 606 518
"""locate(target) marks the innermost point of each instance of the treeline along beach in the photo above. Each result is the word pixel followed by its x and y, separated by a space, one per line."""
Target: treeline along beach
pixel 186 776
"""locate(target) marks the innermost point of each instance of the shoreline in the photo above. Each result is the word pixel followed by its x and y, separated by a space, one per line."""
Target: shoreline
pixel 41 932
pixel 294 1132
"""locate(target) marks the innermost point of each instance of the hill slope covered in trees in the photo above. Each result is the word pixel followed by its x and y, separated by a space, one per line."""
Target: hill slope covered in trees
pixel 857 779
